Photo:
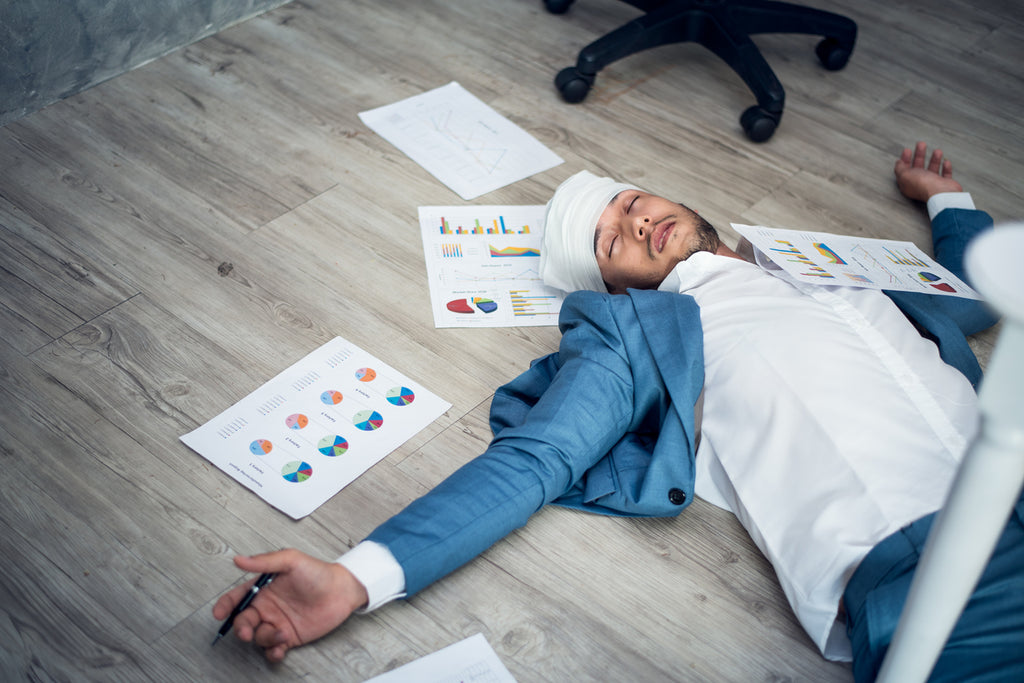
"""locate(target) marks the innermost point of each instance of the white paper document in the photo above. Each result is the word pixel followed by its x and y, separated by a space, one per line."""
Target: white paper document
pixel 460 140
pixel 307 433
pixel 824 259
pixel 468 661
pixel 483 266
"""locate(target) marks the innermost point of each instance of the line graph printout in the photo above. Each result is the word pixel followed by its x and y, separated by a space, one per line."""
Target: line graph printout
pixel 825 259
pixel 461 141
pixel 311 430
pixel 483 266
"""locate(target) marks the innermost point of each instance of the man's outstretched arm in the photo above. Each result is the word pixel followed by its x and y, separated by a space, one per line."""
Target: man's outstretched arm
pixel 477 505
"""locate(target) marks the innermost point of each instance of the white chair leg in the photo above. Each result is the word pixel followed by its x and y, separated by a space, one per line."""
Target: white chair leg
pixel 988 482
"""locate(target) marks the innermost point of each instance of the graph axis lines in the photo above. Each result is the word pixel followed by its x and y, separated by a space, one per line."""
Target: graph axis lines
pixel 442 124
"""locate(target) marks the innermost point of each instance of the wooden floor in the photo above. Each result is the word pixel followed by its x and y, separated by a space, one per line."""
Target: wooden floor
pixel 123 327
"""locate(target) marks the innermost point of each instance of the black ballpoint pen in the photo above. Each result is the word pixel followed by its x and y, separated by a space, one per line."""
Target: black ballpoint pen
pixel 264 580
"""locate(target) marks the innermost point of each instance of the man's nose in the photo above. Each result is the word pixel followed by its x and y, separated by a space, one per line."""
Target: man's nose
pixel 642 225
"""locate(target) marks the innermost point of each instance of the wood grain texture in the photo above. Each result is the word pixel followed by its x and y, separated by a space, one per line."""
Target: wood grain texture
pixel 171 239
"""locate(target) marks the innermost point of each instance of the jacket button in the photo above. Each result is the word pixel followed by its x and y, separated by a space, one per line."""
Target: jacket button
pixel 676 496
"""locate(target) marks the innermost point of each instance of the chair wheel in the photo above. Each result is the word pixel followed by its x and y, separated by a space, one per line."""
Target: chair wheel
pixel 832 55
pixel 573 85
pixel 557 6
pixel 759 124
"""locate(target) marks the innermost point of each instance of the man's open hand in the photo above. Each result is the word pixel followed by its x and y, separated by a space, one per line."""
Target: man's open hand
pixel 918 181
pixel 306 600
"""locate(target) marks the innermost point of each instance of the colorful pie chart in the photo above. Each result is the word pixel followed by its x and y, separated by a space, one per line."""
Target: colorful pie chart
pixel 400 396
pixel 333 446
pixel 368 420
pixel 365 374
pixel 459 306
pixel 331 397
pixel 296 421
pixel 485 305
pixel 296 471
pixel 933 280
pixel 261 447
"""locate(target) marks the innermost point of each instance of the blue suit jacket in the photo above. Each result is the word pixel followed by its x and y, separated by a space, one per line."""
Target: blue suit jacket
pixel 607 423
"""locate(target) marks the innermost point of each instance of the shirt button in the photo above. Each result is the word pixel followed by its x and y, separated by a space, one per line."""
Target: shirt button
pixel 676 496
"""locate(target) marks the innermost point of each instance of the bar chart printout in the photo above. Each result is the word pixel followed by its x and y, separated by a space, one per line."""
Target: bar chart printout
pixel 311 430
pixel 826 259
pixel 483 266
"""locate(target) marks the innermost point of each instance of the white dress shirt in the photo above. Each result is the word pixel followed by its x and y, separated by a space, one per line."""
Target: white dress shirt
pixel 851 427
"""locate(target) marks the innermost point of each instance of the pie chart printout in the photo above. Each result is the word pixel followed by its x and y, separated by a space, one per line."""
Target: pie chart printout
pixel 331 397
pixel 296 471
pixel 333 446
pixel 296 421
pixel 261 447
pixel 312 429
pixel 482 304
pixel 368 420
pixel 400 396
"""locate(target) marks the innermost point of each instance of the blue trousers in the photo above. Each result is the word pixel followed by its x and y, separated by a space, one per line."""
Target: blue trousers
pixel 987 643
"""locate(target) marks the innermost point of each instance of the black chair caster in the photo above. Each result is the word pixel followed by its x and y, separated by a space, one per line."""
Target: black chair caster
pixel 759 124
pixel 832 55
pixel 573 85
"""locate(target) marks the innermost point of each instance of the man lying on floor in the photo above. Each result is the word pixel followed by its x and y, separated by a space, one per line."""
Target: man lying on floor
pixel 830 420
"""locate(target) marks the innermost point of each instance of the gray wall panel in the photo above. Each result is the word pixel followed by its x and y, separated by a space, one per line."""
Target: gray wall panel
pixel 50 49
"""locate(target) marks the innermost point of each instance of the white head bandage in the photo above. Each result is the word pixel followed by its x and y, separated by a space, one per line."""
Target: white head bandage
pixel 567 259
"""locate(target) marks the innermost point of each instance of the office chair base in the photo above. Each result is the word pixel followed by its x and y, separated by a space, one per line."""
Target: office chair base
pixel 725 28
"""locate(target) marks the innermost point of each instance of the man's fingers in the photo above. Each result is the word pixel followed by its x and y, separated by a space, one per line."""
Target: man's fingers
pixel 920 152
pixel 276 654
pixel 935 163
pixel 947 168
pixel 268 636
pixel 222 608
pixel 904 160
pixel 247 623
pixel 275 562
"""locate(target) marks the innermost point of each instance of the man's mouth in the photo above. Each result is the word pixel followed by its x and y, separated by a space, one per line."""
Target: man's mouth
pixel 661 234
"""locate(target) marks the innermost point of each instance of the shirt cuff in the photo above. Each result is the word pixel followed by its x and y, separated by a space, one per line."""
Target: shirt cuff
pixel 938 203
pixel 376 568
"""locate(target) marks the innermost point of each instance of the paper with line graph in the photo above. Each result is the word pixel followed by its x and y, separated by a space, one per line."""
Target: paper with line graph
pixel 824 259
pixel 460 140
pixel 483 266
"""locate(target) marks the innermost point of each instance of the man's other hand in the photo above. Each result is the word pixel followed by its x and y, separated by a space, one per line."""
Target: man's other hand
pixel 918 181
pixel 307 599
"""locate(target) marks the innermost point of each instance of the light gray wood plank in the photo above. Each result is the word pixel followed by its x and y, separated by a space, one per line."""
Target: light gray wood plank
pixel 46 285
pixel 56 631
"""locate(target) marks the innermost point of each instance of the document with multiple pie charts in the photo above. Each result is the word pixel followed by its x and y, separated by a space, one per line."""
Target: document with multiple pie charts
pixel 309 432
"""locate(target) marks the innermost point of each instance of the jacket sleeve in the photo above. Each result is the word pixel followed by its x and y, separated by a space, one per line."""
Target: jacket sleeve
pixel 577 419
pixel 948 320
pixel 952 230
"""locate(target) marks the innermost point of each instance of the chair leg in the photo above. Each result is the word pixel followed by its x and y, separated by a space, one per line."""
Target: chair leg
pixel 753 17
pixel 661 26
